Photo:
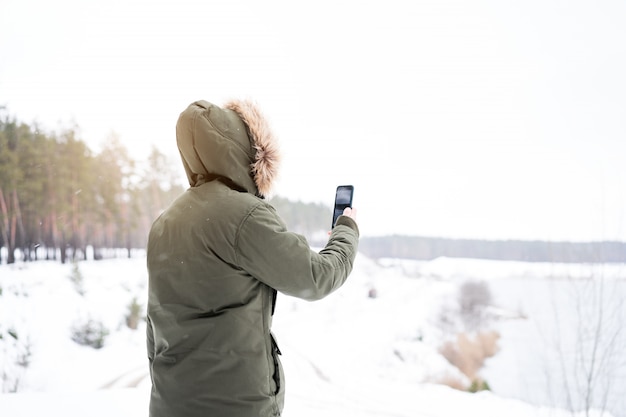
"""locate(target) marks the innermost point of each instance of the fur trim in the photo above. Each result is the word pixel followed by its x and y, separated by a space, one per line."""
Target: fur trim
pixel 264 169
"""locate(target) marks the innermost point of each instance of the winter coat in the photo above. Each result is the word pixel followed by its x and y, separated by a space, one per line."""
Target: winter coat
pixel 216 259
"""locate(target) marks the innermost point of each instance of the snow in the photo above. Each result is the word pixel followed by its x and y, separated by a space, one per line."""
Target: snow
pixel 369 349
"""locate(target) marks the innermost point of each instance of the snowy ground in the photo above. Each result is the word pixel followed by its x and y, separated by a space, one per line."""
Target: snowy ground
pixel 346 355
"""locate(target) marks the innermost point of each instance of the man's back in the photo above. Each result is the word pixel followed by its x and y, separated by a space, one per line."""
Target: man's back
pixel 210 320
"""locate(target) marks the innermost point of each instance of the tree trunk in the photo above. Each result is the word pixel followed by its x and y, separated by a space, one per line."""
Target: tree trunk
pixel 6 224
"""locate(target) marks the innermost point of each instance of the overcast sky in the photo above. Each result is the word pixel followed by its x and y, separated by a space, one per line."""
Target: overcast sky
pixel 483 119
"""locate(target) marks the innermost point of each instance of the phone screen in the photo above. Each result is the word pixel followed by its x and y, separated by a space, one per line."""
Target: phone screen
pixel 343 199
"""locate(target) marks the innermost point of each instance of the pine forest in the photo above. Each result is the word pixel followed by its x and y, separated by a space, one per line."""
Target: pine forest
pixel 58 197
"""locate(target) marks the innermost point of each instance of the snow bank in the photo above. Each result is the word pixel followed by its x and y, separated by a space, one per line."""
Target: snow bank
pixel 370 349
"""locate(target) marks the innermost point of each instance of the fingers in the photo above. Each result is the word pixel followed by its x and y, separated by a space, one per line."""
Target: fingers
pixel 350 212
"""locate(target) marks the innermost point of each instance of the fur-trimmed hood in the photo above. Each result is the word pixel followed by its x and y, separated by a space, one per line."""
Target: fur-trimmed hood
pixel 233 143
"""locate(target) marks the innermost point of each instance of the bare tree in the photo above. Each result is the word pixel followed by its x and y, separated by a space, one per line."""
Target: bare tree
pixel 591 355
pixel 474 298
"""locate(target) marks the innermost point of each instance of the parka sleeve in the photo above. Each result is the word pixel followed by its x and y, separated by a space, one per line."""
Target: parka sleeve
pixel 284 261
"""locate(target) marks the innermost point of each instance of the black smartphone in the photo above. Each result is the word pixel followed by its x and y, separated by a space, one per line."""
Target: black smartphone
pixel 343 199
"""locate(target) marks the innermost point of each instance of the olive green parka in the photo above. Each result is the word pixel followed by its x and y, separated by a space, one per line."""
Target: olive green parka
pixel 216 259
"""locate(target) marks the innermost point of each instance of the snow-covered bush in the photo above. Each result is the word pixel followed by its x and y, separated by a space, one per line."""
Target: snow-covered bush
pixel 17 351
pixel 134 314
pixel 77 279
pixel 469 352
pixel 474 298
pixel 467 340
pixel 90 333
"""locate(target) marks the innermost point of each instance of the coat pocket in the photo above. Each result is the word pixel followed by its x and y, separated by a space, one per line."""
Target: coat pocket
pixel 278 369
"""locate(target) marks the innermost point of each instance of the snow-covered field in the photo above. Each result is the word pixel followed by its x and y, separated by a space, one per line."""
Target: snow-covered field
pixel 351 354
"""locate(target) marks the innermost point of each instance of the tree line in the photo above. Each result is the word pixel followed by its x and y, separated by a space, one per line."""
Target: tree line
pixel 58 197
pixel 312 220
pixel 309 219
pixel 428 248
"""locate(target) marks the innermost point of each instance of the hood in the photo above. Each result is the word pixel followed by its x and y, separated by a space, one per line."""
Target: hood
pixel 233 142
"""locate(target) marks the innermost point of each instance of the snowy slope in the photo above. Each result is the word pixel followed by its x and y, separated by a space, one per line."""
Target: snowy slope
pixel 347 355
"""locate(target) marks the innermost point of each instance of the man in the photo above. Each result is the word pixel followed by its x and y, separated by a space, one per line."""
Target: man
pixel 216 259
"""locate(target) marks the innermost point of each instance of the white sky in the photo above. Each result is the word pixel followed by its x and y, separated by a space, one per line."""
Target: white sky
pixel 481 119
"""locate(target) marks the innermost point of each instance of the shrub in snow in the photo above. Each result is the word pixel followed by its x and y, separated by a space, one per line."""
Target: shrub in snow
pixel 468 354
pixel 134 314
pixel 17 352
pixel 90 333
pixel 479 385
pixel 468 312
pixel 77 279
pixel 474 298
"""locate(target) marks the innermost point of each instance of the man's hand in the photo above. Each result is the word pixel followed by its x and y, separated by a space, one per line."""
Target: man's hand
pixel 350 212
